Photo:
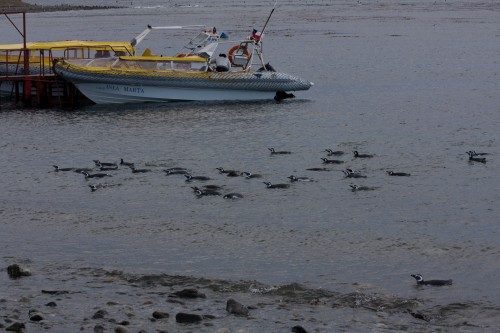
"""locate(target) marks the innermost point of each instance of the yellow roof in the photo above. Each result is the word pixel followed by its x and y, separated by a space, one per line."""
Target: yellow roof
pixel 70 44
pixel 158 58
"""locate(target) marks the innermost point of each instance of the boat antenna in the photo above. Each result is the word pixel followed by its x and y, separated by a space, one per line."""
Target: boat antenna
pixel 267 21
pixel 141 36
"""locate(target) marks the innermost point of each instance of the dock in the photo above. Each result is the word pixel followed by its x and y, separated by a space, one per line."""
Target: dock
pixel 26 75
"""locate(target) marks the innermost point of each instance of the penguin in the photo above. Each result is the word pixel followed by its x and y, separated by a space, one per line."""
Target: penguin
pixel 351 174
pixel 299 179
pixel 278 152
pixel 79 170
pixel 175 172
pixel 62 169
pixel 472 158
pixel 249 175
pixel 95 175
pixel 213 187
pixel 318 169
pixel 355 188
pixel 269 185
pixel 189 177
pixel 233 196
pixel 95 187
pixel 229 173
pixel 421 281
pixel 327 161
pixel 107 168
pixel 478 154
pixel 129 164
pixel 200 193
pixel 134 170
pixel 331 152
pixel 97 162
pixel 358 155
pixel 400 174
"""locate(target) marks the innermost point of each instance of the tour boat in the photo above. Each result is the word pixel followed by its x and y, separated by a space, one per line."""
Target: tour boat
pixel 187 76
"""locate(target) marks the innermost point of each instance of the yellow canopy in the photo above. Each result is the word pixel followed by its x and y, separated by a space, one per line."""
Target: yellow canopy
pixel 71 44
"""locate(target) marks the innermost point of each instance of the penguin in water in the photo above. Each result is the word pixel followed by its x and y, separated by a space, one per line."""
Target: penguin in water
pixel 269 185
pixel 473 158
pixel 57 169
pixel 421 281
pixel 129 164
pixel 249 175
pixel 400 174
pixel 99 164
pixel 176 171
pixel 299 179
pixel 356 188
pixel 134 170
pixel 331 152
pixel 358 155
pixel 477 154
pixel 203 192
pixel 351 174
pixel 106 168
pixel 189 177
pixel 95 175
pixel 327 161
pixel 278 152
pixel 229 173
pixel 233 196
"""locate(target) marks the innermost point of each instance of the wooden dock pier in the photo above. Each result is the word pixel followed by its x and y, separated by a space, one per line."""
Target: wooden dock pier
pixel 28 78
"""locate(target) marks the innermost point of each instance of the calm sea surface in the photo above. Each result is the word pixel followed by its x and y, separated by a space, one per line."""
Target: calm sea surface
pixel 414 84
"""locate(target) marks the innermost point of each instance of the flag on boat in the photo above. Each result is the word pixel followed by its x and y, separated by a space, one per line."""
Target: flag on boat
pixel 256 35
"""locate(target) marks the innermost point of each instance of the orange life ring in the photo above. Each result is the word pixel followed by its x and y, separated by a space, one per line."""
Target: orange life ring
pixel 233 50
pixel 182 55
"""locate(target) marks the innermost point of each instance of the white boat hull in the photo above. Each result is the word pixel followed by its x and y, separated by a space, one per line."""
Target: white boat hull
pixel 102 93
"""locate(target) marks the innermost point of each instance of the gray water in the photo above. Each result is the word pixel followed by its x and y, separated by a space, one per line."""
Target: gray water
pixel 414 83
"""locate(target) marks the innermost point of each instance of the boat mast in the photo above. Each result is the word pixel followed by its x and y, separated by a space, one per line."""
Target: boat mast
pixel 258 44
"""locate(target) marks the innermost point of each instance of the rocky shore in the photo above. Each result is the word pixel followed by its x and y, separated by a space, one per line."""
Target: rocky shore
pixel 18 5
pixel 60 298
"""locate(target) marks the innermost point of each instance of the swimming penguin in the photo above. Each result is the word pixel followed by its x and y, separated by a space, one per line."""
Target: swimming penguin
pixel 358 155
pixel 478 154
pixel 327 161
pixel 95 175
pixel 472 158
pixel 95 187
pixel 400 174
pixel 129 164
pixel 249 175
pixel 200 192
pixel 229 173
pixel 269 185
pixel 189 177
pixel 318 169
pixel 99 163
pixel 62 169
pixel 175 172
pixel 421 281
pixel 278 152
pixel 299 179
pixel 331 152
pixel 351 174
pixel 355 188
pixel 107 168
pixel 233 196
pixel 134 170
